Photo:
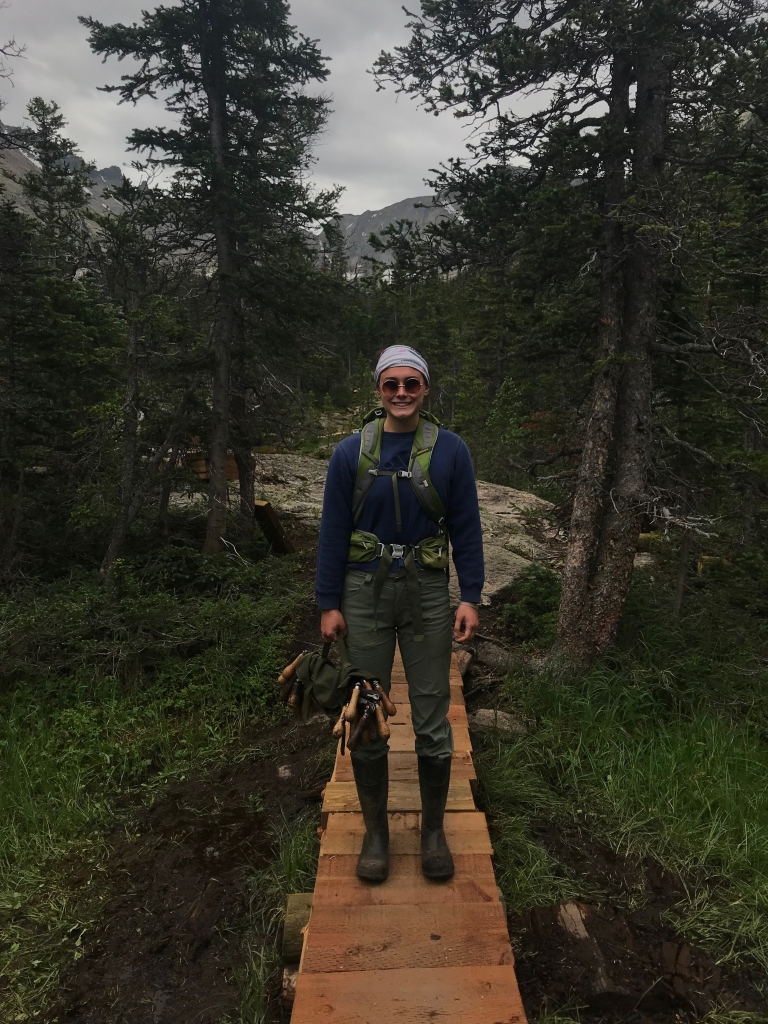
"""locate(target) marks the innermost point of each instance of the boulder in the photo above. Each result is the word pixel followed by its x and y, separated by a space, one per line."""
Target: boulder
pixel 493 656
pixel 505 725
pixel 516 531
pixel 464 660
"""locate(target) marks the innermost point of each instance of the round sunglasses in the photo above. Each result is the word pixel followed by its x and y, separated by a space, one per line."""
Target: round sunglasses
pixel 390 386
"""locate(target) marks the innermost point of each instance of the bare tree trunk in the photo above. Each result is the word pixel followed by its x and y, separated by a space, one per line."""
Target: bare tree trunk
pixel 165 491
pixel 244 458
pixel 18 514
pixel 629 495
pixel 590 493
pixel 682 574
pixel 246 471
pixel 130 442
pixel 215 84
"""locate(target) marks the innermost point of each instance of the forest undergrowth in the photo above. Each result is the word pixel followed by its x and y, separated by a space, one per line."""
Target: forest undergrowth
pixel 658 753
pixel 115 688
pixel 112 688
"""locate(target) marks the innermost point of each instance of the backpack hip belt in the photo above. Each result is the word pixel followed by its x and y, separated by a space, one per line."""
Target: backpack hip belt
pixel 431 552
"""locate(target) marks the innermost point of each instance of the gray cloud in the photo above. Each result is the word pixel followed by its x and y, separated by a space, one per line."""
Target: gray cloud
pixel 380 147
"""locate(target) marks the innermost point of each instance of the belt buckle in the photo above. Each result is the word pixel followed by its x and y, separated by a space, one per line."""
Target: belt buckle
pixel 398 551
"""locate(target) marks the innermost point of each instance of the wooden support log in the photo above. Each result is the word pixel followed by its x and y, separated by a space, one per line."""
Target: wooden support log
pixel 297 911
pixel 290 977
pixel 272 528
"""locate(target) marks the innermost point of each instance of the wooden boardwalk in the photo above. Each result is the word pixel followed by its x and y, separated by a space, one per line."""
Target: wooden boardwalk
pixel 407 951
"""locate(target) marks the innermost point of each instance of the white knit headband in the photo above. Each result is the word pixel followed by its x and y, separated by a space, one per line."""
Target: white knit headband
pixel 401 355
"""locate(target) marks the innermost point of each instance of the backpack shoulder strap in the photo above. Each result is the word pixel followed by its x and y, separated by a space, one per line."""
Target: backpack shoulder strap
pixel 421 455
pixel 370 454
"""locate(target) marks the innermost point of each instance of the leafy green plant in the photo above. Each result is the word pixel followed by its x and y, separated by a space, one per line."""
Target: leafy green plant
pixel 529 609
pixel 292 869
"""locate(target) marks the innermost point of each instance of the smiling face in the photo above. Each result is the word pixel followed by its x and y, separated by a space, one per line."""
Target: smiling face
pixel 402 404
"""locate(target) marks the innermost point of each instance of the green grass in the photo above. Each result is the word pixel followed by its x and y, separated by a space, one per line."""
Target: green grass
pixel 258 982
pixel 659 752
pixel 111 688
pixel 291 870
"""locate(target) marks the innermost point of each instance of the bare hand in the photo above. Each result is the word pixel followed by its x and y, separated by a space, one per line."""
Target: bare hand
pixel 466 624
pixel 332 625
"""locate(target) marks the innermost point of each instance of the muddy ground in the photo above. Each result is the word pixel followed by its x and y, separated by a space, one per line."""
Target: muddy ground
pixel 178 909
pixel 176 921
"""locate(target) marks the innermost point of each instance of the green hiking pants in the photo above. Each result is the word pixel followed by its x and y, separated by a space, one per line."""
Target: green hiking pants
pixel 371 647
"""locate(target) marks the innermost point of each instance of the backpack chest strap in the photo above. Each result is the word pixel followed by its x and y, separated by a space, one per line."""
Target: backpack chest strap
pixel 424 440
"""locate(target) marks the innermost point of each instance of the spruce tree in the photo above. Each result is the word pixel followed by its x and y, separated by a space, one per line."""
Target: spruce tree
pixel 613 87
pixel 233 75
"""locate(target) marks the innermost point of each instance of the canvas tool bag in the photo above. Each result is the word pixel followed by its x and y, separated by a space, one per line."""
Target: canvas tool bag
pixel 325 683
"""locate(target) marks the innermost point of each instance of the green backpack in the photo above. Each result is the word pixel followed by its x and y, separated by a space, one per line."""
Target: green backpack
pixel 431 552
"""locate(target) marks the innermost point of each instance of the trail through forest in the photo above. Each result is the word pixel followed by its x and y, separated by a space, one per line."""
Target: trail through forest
pixel 588 289
pixel 177 892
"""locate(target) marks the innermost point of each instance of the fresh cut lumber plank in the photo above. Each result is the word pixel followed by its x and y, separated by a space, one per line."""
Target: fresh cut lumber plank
pixel 403 767
pixel 466 832
pixel 403 796
pixel 399 694
pixel 337 883
pixel 352 938
pixel 403 737
pixel 457 715
pixel 454 995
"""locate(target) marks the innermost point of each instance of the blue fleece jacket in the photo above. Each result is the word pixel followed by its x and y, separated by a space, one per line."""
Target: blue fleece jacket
pixel 453 477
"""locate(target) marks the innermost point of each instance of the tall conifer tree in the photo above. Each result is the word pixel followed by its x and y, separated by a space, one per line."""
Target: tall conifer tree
pixel 233 75
pixel 612 85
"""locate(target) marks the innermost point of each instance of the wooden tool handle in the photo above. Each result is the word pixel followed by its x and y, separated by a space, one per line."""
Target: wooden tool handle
pixel 294 700
pixel 351 711
pixel 338 729
pixel 373 730
pixel 356 735
pixel 387 703
pixel 289 671
pixel 384 730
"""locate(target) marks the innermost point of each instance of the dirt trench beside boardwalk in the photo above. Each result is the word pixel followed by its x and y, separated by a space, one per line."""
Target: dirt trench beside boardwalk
pixel 619 965
pixel 177 914
pixel 175 922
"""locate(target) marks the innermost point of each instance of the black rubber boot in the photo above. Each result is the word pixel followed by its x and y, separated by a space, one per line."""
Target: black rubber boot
pixel 434 780
pixel 372 781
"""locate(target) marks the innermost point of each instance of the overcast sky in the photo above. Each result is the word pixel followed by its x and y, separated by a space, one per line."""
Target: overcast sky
pixel 379 146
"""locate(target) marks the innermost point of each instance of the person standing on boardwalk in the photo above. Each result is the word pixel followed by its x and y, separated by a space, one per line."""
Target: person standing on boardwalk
pixel 394 493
